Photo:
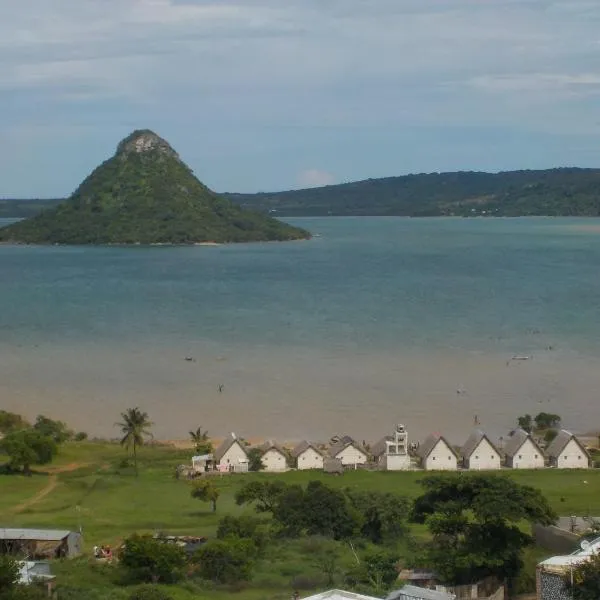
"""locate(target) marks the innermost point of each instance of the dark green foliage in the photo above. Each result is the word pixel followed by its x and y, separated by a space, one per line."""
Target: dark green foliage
pixel 547 421
pixel 22 209
pixel 552 192
pixel 202 443
pixel 255 459
pixel 206 491
pixel 151 560
pixel 240 527
pixel 135 428
pixel 9 572
pixel 145 194
pixel 384 515
pixel 549 435
pixel 149 592
pixel 525 423
pixel 586 580
pixel 80 436
pixel 11 422
pixel 263 494
pixel 375 574
pixel 474 520
pixel 26 447
pixel 57 430
pixel 226 561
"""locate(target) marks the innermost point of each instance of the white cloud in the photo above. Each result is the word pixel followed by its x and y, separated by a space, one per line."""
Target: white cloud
pixel 315 178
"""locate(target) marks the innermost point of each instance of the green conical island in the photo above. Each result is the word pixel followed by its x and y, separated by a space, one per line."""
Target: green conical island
pixel 145 194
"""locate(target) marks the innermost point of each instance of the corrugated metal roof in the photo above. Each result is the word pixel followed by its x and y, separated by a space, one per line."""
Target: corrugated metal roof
pixel 417 593
pixel 339 595
pixel 49 535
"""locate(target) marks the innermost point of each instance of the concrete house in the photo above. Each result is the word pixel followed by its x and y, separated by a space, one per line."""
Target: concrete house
pixel 522 452
pixel 307 456
pixel 274 457
pixel 349 452
pixel 413 592
pixel 567 452
pixel 479 454
pixel 231 455
pixel 391 452
pixel 437 454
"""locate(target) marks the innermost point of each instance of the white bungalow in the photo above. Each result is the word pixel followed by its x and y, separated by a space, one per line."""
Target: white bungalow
pixel 349 452
pixel 437 454
pixel 479 454
pixel 307 456
pixel 567 452
pixel 522 452
pixel 274 457
pixel 231 455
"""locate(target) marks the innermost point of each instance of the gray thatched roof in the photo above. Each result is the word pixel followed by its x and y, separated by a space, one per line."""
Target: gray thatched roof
pixel 333 465
pixel 343 444
pixel 412 592
pixel 559 443
pixel 431 442
pixel 516 440
pixel 474 440
pixel 303 446
pixel 379 447
pixel 271 445
pixel 227 443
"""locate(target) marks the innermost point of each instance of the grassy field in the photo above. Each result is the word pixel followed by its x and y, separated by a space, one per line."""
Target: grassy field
pixel 86 488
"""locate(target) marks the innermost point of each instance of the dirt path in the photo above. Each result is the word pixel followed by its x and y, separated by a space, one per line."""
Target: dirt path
pixel 49 487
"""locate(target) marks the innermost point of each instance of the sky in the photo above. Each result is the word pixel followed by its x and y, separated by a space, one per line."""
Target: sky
pixel 265 95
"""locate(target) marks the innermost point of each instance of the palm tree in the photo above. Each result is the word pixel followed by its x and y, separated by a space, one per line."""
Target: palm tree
pixel 201 441
pixel 135 428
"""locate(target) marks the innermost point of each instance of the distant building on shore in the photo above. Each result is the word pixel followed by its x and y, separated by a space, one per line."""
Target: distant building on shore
pixel 522 452
pixel 307 456
pixel 567 452
pixel 274 457
pixel 480 454
pixel 349 452
pixel 231 455
pixel 437 454
pixel 391 452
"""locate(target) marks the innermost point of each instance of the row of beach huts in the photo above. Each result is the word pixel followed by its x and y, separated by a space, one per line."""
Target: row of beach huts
pixel 393 453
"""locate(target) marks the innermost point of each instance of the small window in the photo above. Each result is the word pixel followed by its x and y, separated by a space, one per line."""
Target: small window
pixel 492 457
pixel 534 456
pixel 579 458
pixel 433 458
pixel 449 458
pixel 521 456
pixel 476 458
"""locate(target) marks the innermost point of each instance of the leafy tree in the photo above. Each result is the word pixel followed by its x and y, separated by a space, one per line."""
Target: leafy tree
pixel 586 580
pixel 151 559
pixel 550 435
pixel 547 421
pixel 376 573
pixel 9 572
pixel 206 491
pixel 384 514
pixel 255 462
pixel 26 447
pixel 474 520
pixel 226 561
pixel 149 592
pixel 11 422
pixel 264 495
pixel 202 443
pixel 57 430
pixel 135 428
pixel 526 423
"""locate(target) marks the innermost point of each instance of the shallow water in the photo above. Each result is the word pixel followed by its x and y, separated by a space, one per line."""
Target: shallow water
pixel 376 321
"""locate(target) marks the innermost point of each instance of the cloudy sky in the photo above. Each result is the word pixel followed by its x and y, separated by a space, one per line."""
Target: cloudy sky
pixel 273 94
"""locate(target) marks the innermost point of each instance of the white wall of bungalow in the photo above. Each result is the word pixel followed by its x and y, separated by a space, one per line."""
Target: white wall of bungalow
pixel 274 461
pixel 310 459
pixel 484 457
pixel 528 456
pixel 351 455
pixel 235 455
pixel 440 458
pixel 571 457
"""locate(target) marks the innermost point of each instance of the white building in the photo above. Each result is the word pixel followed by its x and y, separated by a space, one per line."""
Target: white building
pixel 522 452
pixel 274 457
pixel 479 454
pixel 307 456
pixel 391 452
pixel 231 455
pixel 567 452
pixel 437 454
pixel 339 595
pixel 349 452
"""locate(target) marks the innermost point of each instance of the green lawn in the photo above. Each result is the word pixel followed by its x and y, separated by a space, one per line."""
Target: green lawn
pixel 109 504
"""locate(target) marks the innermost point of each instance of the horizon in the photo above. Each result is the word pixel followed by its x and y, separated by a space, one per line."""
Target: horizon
pixel 260 97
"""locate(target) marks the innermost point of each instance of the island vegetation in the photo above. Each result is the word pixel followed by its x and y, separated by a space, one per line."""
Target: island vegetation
pixel 567 192
pixel 145 194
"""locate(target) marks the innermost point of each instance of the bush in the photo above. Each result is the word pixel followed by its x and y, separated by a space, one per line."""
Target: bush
pixel 149 592
pixel 243 527
pixel 226 561
pixel 306 582
pixel 80 436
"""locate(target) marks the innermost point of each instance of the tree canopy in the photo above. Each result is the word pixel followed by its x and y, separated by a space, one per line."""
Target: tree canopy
pixel 135 428
pixel 207 491
pixel 586 580
pixel 27 447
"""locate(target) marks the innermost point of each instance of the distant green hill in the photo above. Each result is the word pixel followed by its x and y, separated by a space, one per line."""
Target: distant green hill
pixel 553 192
pixel 145 194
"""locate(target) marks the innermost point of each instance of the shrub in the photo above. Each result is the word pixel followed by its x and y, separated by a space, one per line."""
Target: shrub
pixel 149 592
pixel 80 436
pixel 306 582
pixel 226 561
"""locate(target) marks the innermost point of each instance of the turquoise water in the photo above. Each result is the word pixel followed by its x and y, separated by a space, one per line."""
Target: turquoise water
pixel 356 312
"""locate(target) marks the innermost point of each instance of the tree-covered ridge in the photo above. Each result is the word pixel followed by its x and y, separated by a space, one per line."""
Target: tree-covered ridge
pixel 553 192
pixel 145 194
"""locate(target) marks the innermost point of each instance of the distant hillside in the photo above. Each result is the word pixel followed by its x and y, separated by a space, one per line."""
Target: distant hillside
pixel 145 194
pixel 553 192
pixel 22 209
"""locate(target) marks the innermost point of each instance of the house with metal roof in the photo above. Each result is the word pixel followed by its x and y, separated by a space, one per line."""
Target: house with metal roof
pixel 307 456
pixel 522 452
pixel 479 453
pixel 437 454
pixel 273 457
pixel 567 452
pixel 413 592
pixel 339 595
pixel 41 543
pixel 231 455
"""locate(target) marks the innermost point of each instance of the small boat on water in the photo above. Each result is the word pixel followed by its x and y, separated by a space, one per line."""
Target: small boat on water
pixel 520 357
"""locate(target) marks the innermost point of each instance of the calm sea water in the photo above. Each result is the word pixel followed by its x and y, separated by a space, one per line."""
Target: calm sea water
pixel 375 321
